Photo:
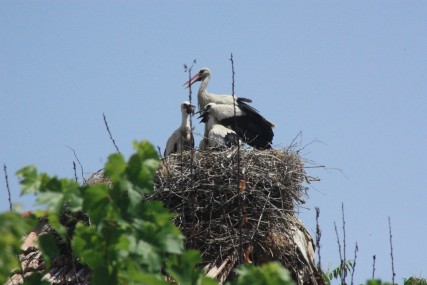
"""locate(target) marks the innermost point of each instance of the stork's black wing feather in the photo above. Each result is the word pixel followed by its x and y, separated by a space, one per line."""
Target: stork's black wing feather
pixel 242 99
pixel 252 128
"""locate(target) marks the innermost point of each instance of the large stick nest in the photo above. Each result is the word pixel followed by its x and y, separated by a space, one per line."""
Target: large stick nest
pixel 239 208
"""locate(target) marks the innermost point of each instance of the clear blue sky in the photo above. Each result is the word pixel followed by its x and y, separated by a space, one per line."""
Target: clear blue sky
pixel 351 76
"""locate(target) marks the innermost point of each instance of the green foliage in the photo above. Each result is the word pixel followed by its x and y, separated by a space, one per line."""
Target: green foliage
pixel 414 281
pixel 127 241
pixel 267 274
pixel 328 276
pixel 188 260
pixel 376 282
pixel 49 248
pixel 57 195
pixel 35 279
pixel 12 230
pixel 123 239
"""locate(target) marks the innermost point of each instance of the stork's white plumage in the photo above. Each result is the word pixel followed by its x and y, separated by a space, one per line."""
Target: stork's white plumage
pixel 182 138
pixel 216 135
pixel 204 97
pixel 249 125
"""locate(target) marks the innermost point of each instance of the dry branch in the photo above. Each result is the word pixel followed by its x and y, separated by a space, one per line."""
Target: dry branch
pixel 109 133
pixel 7 186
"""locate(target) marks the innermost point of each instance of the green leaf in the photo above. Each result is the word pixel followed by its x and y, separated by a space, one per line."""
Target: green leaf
pixel 157 228
pixel 103 276
pixel 13 228
pixel 173 242
pixel 145 150
pixel 373 282
pixel 28 178
pixel 184 271
pixel 115 167
pixel 49 248
pixel 151 256
pixel 53 200
pixel 138 277
pixel 414 281
pixel 88 245
pixel 35 279
pixel 142 167
pixel 268 274
pixel 97 203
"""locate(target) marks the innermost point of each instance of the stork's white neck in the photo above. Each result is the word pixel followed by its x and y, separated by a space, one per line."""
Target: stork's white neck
pixel 185 123
pixel 210 123
pixel 202 94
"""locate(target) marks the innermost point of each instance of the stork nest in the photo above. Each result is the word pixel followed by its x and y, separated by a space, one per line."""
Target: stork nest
pixel 239 207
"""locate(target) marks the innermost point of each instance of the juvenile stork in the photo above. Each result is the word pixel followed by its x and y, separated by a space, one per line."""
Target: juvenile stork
pixel 216 135
pixel 203 97
pixel 182 138
pixel 245 121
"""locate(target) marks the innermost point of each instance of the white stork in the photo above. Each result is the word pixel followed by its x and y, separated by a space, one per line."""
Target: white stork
pixel 203 97
pixel 216 135
pixel 182 138
pixel 247 123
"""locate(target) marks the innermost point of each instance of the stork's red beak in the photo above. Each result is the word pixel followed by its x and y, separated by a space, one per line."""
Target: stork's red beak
pixel 193 79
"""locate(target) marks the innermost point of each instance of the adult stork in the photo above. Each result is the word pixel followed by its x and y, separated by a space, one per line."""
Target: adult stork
pixel 246 122
pixel 182 138
pixel 204 97
pixel 216 135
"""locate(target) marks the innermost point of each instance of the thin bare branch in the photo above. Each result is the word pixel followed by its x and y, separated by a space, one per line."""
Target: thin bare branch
pixel 353 266
pixel 391 251
pixel 81 166
pixel 238 165
pixel 159 151
pixel 344 269
pixel 7 186
pixel 190 95
pixel 318 236
pixel 109 132
pixel 75 172
pixel 341 258
pixel 373 266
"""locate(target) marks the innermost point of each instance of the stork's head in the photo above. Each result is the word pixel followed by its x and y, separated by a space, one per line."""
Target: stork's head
pixel 187 108
pixel 204 116
pixel 199 76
